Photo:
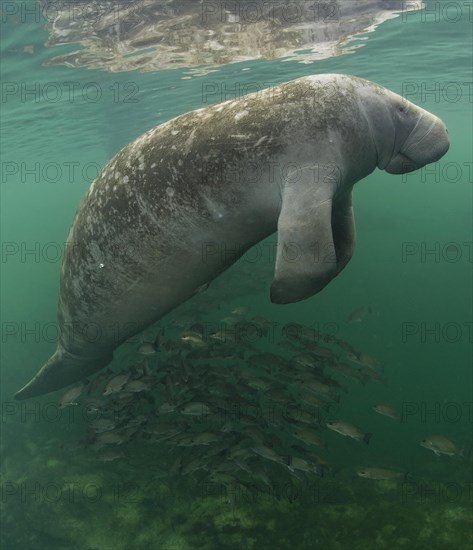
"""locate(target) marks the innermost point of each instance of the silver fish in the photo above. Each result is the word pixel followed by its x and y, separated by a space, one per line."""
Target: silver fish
pixel 116 383
pixel 357 315
pixel 365 360
pixel 102 425
pixel 380 473
pixel 71 395
pixel 136 386
pixel 109 438
pixel 309 437
pixel 386 410
pixel 349 430
pixel 296 463
pixel 267 452
pixel 109 456
pixel 196 408
pixel 442 445
pixel 147 348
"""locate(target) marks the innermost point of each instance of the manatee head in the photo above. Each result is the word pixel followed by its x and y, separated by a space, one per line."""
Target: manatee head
pixel 406 137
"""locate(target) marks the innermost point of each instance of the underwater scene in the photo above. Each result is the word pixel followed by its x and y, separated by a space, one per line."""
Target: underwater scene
pixel 208 341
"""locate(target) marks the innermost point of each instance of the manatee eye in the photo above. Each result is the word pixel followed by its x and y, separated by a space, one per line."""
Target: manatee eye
pixel 401 109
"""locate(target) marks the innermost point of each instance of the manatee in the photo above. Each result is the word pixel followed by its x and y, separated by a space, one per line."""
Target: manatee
pixel 156 225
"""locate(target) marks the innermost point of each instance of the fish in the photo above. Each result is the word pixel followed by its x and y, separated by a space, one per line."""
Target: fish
pixel 224 336
pixel 296 463
pixel 276 395
pixel 136 421
pixel 121 400
pixel 267 452
pixel 309 398
pixel 230 319
pixel 358 314
pixel 216 449
pixel 262 409
pixel 137 386
pixel 269 361
pixel 223 479
pixel 442 445
pixel 321 351
pixel 307 360
pixel 319 388
pixel 115 384
pixel 296 332
pixel 97 381
pixel 294 345
pixel 309 437
pixel 167 408
pixel 386 410
pixel 241 310
pixel 192 338
pixel 94 405
pixel 205 438
pixel 349 430
pixel 258 383
pixel 102 425
pixel 71 395
pixel 370 374
pixel 298 415
pixel 381 473
pixel 109 438
pixel 365 360
pixel 194 465
pixel 158 427
pixel 196 408
pixel 255 434
pixel 228 427
pixel 147 348
pixel 109 456
pixel 201 438
pixel 344 345
pixel 349 372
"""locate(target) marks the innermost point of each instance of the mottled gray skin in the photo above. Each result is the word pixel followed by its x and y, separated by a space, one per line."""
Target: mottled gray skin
pixel 145 237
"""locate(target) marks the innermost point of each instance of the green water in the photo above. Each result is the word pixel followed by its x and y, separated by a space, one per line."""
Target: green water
pixel 420 326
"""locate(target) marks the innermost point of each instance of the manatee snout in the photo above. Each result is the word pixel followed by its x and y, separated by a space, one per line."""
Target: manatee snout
pixel 428 142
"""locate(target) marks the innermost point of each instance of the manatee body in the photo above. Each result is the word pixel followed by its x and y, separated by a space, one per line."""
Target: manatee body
pixel 158 222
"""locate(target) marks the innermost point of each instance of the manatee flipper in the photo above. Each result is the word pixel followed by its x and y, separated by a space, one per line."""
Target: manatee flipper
pixel 316 234
pixel 343 230
pixel 61 369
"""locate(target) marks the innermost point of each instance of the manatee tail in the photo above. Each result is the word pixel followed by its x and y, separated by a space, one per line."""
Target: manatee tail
pixel 61 369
